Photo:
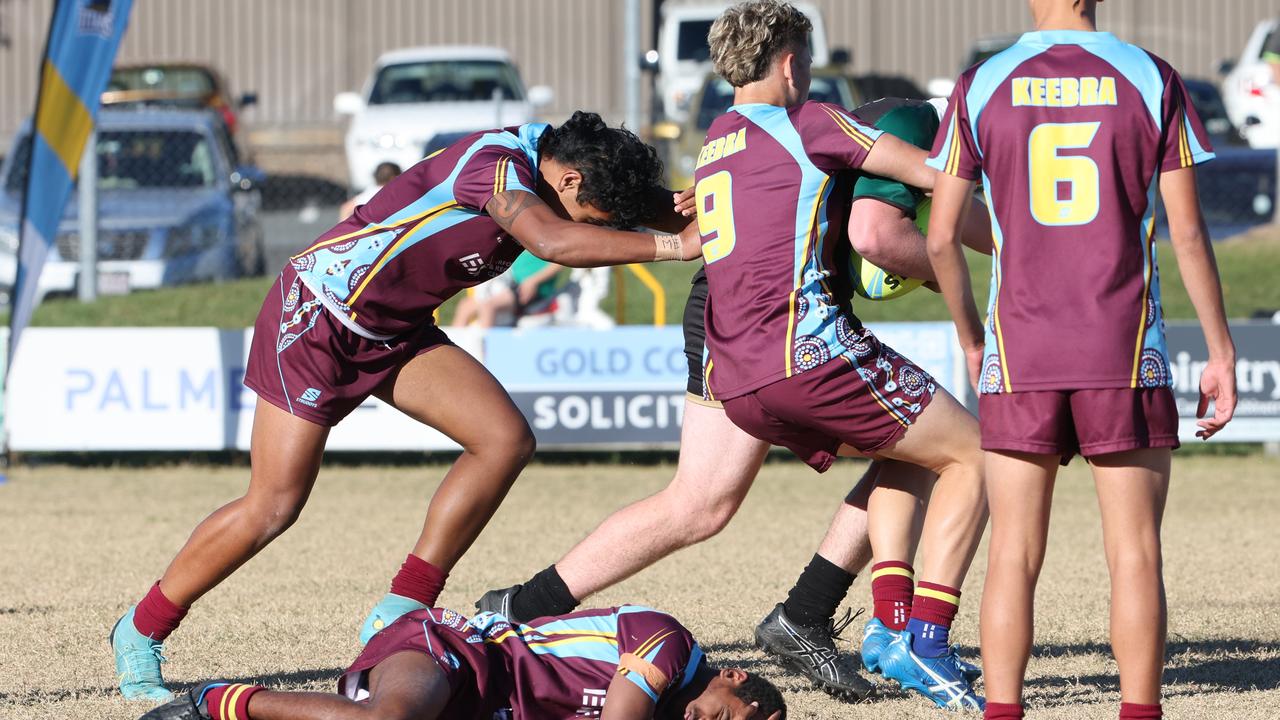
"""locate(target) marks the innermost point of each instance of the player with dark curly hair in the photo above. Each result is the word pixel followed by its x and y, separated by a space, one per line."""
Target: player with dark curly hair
pixel 622 663
pixel 352 316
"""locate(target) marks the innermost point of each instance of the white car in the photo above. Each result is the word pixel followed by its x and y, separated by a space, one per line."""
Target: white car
pixel 1250 91
pixel 416 94
pixel 683 58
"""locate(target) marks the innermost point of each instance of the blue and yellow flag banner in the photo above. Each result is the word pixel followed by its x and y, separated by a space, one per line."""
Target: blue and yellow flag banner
pixel 83 38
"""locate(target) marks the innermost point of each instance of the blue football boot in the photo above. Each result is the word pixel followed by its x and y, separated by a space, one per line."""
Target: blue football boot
pixel 388 610
pixel 875 638
pixel 938 679
pixel 138 659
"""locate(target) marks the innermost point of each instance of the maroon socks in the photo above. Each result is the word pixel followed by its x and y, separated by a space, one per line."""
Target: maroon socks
pixel 1003 711
pixel 230 702
pixel 155 616
pixel 419 580
pixel 892 584
pixel 1137 711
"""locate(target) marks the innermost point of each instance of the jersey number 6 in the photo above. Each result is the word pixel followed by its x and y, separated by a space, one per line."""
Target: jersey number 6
pixel 714 195
pixel 1049 171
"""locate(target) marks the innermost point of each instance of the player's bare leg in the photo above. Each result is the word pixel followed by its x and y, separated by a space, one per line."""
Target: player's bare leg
pixel 899 494
pixel 405 686
pixel 943 439
pixel 285 452
pixel 451 391
pixel 1132 489
pixel 1019 492
pixel 718 462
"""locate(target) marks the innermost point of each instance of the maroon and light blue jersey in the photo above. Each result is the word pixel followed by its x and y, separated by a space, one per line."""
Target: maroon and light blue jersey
pixel 773 196
pixel 1069 132
pixel 424 236
pixel 555 668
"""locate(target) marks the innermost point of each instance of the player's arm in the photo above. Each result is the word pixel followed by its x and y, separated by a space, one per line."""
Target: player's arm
pixel 1199 272
pixel 884 236
pixel 951 199
pixel 540 231
pixel 902 161
pixel 624 700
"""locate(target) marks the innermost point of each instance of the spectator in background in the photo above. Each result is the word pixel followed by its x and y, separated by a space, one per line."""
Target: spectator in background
pixel 529 280
pixel 383 174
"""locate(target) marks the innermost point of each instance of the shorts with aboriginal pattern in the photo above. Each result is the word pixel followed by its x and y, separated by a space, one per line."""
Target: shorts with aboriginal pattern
pixel 866 399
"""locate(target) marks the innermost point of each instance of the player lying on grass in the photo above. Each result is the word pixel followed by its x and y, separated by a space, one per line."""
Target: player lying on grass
pixel 718 463
pixel 1072 131
pixel 791 362
pixel 624 663
pixel 351 316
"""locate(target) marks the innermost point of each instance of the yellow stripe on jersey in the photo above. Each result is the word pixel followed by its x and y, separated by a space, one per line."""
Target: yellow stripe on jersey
pixel 892 571
pixel 1184 147
pixel 995 314
pixel 953 159
pixel 376 228
pixel 652 642
pixel 849 129
pixel 706 380
pixel 1146 290
pixel 938 595
pixel 386 256
pixel 804 261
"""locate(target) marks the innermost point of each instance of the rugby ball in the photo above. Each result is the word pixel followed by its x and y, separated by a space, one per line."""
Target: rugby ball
pixel 874 283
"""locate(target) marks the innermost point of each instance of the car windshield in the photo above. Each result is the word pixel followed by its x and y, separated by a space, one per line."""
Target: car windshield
pixel 445 81
pixel 718 96
pixel 187 81
pixel 132 159
pixel 691 43
pixel 1208 104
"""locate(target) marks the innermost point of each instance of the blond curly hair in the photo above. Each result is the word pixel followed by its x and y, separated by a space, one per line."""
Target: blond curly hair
pixel 749 36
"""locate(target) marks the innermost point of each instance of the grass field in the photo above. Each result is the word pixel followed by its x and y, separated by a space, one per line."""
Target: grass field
pixel 1247 266
pixel 80 544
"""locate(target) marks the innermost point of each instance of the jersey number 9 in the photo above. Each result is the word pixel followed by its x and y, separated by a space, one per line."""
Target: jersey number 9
pixel 1049 171
pixel 714 195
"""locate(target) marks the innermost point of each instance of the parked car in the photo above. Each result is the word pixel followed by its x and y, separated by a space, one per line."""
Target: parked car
pixel 172 207
pixel 684 57
pixel 981 49
pixel 414 94
pixel 1249 89
pixel 714 97
pixel 183 85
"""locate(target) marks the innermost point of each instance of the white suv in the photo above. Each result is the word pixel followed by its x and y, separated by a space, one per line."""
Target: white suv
pixel 1250 91
pixel 416 94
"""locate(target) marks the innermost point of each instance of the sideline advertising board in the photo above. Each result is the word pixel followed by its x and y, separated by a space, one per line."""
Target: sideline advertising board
pixel 124 389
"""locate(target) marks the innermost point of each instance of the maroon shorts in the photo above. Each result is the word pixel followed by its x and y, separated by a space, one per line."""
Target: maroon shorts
pixel 442 635
pixel 866 400
pixel 305 361
pixel 1089 422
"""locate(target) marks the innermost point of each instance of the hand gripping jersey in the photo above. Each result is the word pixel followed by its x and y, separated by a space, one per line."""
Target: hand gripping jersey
pixel 773 200
pixel 1069 132
pixel 424 236
pixel 555 668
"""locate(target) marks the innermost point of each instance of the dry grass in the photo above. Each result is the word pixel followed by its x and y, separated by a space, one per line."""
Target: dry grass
pixel 80 545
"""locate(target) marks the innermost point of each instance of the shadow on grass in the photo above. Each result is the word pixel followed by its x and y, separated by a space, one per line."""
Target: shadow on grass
pixel 1192 668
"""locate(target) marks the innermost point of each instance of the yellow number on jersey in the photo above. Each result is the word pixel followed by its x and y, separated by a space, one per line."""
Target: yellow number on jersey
pixel 716 225
pixel 1048 169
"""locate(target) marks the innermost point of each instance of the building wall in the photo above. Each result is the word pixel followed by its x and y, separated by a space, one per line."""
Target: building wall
pixel 297 54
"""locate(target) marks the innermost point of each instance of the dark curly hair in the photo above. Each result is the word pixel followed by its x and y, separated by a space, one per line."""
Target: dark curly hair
pixel 762 692
pixel 619 172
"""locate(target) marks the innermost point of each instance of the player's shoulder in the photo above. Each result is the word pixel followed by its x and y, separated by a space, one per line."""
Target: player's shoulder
pixel 914 121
